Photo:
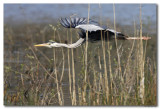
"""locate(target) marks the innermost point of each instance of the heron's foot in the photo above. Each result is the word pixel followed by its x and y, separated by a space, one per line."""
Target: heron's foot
pixel 145 38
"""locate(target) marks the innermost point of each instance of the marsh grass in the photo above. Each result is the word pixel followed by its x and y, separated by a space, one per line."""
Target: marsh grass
pixel 104 73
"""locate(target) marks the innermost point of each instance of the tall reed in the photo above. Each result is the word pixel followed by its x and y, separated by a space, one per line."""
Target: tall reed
pixel 74 100
pixel 106 85
pixel 56 76
pixel 142 78
pixel 86 64
pixel 69 72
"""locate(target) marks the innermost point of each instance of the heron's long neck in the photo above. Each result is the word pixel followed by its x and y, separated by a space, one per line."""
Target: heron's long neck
pixel 74 45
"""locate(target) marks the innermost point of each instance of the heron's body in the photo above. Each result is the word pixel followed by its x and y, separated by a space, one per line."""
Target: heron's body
pixel 98 35
pixel 92 28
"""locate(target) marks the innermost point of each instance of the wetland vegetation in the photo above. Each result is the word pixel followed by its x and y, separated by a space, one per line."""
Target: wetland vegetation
pixel 122 73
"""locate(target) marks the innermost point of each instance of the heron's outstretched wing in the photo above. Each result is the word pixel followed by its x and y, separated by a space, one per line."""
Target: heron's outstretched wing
pixel 73 22
pixel 81 23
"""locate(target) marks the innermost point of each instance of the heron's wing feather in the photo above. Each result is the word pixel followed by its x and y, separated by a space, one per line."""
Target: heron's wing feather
pixel 89 27
pixel 113 31
pixel 74 22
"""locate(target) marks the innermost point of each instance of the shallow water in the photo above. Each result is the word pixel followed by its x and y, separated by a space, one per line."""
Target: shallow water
pixel 129 12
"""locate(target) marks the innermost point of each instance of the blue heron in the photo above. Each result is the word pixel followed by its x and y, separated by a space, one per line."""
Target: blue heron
pixel 93 29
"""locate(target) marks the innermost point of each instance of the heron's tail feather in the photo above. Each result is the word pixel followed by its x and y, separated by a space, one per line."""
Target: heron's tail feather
pixel 121 36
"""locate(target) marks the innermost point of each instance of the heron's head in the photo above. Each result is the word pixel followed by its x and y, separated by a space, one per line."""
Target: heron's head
pixel 49 44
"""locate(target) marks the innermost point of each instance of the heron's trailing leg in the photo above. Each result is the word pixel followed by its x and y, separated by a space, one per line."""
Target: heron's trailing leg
pixel 138 38
pixel 121 36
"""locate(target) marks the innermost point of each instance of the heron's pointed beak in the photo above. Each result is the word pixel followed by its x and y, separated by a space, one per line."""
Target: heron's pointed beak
pixel 41 45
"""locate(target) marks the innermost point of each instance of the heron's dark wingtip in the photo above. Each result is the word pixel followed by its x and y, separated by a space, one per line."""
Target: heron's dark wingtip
pixel 63 23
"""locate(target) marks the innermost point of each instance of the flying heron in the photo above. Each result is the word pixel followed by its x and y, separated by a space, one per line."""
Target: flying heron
pixel 94 30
